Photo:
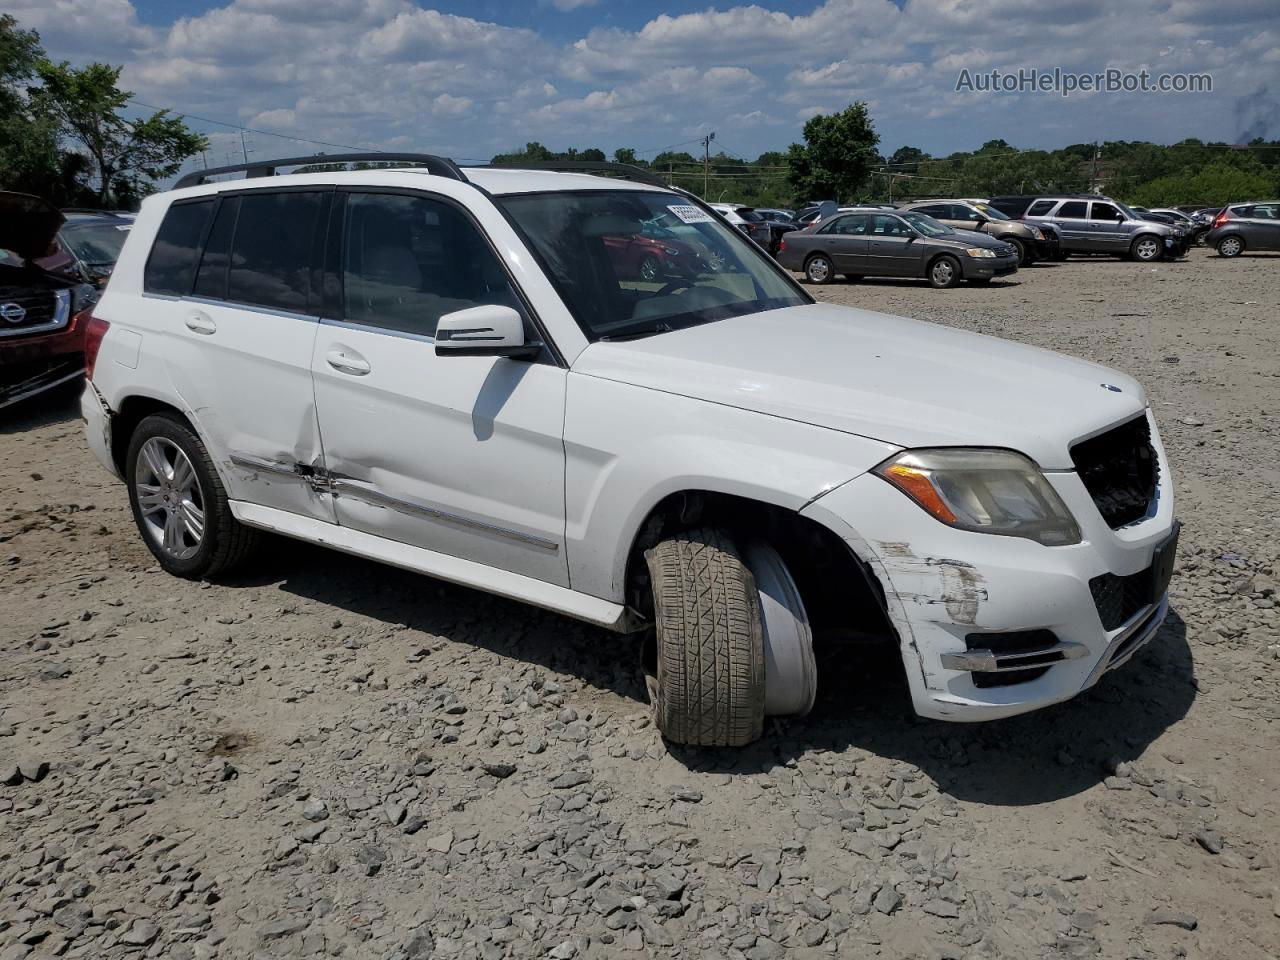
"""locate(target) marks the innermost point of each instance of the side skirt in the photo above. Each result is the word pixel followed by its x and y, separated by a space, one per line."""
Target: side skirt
pixel 468 573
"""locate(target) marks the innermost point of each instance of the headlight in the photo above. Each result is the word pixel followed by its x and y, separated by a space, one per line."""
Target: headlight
pixel 1036 234
pixel 979 252
pixel 985 491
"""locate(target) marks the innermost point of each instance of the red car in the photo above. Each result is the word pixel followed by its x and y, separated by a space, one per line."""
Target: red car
pixel 656 253
pixel 43 311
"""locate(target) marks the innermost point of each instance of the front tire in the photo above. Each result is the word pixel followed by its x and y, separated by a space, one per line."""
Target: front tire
pixel 710 688
pixel 819 269
pixel 179 504
pixel 1024 258
pixel 1230 247
pixel 1145 249
pixel 944 272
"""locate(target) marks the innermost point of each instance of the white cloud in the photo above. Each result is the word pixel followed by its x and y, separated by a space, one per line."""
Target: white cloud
pixel 393 73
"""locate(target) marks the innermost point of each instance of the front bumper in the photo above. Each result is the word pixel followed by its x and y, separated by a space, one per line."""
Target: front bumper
pixel 1048 248
pixel 952 594
pixel 983 268
pixel 64 342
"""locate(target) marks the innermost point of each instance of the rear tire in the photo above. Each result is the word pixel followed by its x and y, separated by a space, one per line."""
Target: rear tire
pixel 223 542
pixel 819 269
pixel 710 687
pixel 1230 247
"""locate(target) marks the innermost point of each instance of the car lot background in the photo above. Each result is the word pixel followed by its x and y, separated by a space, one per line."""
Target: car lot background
pixel 329 755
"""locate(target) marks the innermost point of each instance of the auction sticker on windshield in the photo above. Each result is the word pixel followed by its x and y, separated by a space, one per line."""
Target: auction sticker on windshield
pixel 688 213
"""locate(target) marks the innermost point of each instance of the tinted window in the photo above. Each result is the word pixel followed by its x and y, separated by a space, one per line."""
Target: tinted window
pixel 1266 211
pixel 1105 211
pixel 1039 208
pixel 934 210
pixel 271 254
pixel 889 227
pixel 173 258
pixel 961 212
pixel 1073 210
pixel 410 260
pixel 211 278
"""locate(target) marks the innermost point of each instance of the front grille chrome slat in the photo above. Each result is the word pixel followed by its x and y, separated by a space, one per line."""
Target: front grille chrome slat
pixel 43 312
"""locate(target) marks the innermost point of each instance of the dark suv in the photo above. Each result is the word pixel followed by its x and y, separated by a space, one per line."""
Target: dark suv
pixel 43 308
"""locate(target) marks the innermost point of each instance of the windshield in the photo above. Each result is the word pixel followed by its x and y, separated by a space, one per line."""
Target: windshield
pixel 990 212
pixel 96 243
pixel 925 224
pixel 1128 214
pixel 630 263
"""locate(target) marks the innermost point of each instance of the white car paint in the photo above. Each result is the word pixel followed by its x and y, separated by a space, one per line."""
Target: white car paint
pixel 532 480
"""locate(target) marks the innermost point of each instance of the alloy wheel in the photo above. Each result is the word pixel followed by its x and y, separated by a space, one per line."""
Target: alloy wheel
pixel 1148 249
pixel 170 500
pixel 819 270
pixel 942 272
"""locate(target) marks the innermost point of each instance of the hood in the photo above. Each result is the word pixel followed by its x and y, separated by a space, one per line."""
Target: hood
pixel 971 238
pixel 900 381
pixel 28 225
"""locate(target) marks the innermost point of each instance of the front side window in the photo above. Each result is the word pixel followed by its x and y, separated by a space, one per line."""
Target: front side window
pixel 990 212
pixel 620 283
pixel 409 260
pixel 1104 211
pixel 172 263
pixel 1073 210
pixel 271 254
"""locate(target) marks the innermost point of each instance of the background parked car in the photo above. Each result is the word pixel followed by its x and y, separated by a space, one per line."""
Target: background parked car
pixel 1089 224
pixel 660 251
pixel 43 313
pixel 767 233
pixel 1245 226
pixel 779 216
pixel 883 243
pixel 93 239
pixel 1032 242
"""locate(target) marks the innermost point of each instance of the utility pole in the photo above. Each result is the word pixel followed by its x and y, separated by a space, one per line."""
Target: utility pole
pixel 1093 180
pixel 243 148
pixel 706 162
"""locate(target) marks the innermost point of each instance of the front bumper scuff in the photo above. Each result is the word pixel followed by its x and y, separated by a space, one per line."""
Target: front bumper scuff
pixel 946 588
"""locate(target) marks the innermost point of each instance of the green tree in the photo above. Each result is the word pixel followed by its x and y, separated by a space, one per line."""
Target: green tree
pixel 836 156
pixel 126 154
pixel 29 157
pixel 625 155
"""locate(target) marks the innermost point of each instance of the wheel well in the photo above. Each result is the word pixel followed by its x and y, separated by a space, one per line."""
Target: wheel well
pixel 841 594
pixel 125 420
pixel 938 256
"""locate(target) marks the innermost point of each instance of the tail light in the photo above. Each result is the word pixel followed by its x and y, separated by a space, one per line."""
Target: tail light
pixel 782 244
pixel 93 335
pixel 1220 219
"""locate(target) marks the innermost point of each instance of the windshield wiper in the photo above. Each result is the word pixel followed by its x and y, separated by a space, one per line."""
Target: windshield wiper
pixel 660 327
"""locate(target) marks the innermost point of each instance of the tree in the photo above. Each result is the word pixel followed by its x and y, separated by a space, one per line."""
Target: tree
pixel 126 154
pixel 836 156
pixel 907 159
pixel 29 159
pixel 625 155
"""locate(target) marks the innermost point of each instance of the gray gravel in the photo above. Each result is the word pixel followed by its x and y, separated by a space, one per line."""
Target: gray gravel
pixel 332 758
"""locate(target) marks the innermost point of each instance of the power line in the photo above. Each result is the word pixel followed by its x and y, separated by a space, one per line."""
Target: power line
pixel 265 133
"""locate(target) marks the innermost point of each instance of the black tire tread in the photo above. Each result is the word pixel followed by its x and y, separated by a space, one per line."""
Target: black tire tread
pixel 710 641
pixel 233 542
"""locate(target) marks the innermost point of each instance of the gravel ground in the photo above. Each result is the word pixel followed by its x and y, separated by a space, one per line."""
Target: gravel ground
pixel 330 757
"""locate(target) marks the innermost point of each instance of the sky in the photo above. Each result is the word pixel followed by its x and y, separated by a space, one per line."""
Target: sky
pixel 471 79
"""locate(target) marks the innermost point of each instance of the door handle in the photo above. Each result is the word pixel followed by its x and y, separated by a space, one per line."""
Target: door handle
pixel 199 322
pixel 345 362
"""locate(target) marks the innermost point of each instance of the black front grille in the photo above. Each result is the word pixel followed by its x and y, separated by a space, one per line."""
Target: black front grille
pixel 38 308
pixel 1119 598
pixel 1015 641
pixel 1119 470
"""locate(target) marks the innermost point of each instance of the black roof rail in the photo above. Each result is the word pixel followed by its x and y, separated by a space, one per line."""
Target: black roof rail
pixel 626 171
pixel 440 166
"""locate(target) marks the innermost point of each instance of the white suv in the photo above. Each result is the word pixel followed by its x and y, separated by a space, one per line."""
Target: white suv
pixel 478 375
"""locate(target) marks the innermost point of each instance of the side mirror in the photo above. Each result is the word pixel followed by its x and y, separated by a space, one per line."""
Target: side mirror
pixel 486 331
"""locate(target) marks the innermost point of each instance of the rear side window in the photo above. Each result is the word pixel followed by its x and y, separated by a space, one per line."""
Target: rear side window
pixel 1073 210
pixel 1039 208
pixel 211 278
pixel 271 254
pixel 172 264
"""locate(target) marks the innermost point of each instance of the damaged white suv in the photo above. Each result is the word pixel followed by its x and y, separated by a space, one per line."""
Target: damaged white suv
pixel 592 394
